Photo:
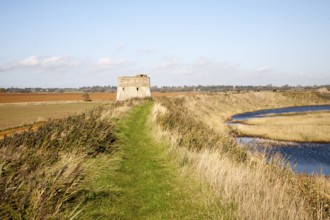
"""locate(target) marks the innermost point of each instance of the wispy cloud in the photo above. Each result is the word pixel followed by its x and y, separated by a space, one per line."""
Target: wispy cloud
pixel 30 61
pixel 206 71
pixel 64 62
pixel 120 46
pixel 63 71
pixel 146 50
pixel 109 63
pixel 169 63
pixel 38 70
pixel 34 62
pixel 264 69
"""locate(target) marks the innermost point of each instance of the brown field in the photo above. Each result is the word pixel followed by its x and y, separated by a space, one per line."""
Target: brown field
pixel 19 115
pixel 18 130
pixel 49 97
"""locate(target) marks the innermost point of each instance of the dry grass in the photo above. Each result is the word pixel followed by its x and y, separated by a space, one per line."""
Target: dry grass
pixel 20 129
pixel 215 109
pixel 41 172
pixel 307 127
pixel 195 128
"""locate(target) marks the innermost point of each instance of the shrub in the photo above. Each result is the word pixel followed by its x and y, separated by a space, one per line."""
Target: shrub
pixel 85 97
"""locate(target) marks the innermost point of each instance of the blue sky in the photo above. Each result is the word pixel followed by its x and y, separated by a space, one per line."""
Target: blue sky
pixel 84 43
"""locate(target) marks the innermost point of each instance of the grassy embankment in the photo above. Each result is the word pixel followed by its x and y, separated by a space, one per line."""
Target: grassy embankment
pixel 143 183
pixel 93 165
pixel 300 127
pixel 41 172
pixel 196 128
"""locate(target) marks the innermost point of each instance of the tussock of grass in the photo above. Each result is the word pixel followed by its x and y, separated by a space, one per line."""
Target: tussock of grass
pixel 259 189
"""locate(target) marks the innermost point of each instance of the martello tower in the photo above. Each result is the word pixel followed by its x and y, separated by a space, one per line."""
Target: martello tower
pixel 133 87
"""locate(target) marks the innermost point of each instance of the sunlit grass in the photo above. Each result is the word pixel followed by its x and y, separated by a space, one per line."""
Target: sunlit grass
pixel 195 126
pixel 305 127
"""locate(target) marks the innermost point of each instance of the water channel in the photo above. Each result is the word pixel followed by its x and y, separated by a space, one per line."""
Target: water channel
pixel 309 158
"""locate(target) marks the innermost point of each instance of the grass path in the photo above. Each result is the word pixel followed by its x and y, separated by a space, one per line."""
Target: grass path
pixel 141 183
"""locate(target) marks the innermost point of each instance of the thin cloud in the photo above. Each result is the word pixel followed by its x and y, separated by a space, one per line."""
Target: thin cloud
pixel 64 63
pixel 146 50
pixel 264 69
pixel 45 62
pixel 30 61
pixel 120 47
pixel 200 71
pixel 171 63
pixel 107 62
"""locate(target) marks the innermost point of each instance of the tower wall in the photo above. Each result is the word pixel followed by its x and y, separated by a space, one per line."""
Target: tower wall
pixel 133 87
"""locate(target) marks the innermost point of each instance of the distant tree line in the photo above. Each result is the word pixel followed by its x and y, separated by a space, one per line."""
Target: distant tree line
pixel 211 88
pixel 60 90
pixel 221 88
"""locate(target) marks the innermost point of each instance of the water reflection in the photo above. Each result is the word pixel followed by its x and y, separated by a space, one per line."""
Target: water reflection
pixel 296 109
pixel 310 158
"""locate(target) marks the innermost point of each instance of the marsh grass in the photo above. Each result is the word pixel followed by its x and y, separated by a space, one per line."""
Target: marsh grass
pixel 306 127
pixel 259 188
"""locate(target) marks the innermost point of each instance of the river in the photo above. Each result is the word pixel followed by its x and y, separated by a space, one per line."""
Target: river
pixel 309 158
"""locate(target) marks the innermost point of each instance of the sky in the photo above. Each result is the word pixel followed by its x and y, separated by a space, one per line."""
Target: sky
pixel 74 43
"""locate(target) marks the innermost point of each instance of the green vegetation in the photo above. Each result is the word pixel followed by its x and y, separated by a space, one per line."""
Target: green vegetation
pixel 140 182
pixel 40 171
pixel 261 190
pixel 85 97
pixel 305 127
pixel 172 159
pixel 18 115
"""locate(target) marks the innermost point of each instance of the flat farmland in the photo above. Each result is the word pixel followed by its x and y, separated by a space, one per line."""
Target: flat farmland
pixel 21 114
pixel 20 109
pixel 51 97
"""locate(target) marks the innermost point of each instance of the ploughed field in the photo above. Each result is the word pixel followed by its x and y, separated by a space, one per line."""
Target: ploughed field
pixel 18 116
pixel 47 97
pixel 51 97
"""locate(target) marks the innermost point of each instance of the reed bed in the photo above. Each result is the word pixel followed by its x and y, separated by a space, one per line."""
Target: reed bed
pixel 307 127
